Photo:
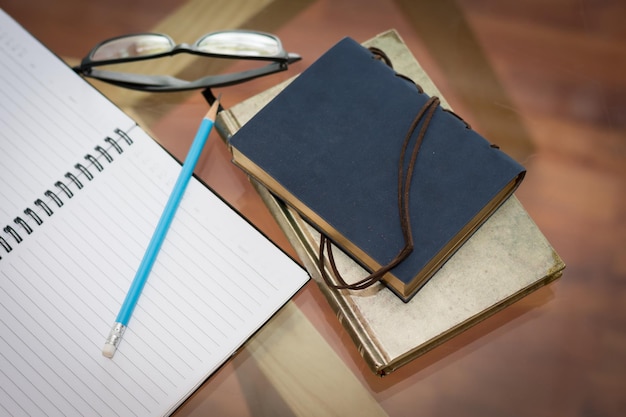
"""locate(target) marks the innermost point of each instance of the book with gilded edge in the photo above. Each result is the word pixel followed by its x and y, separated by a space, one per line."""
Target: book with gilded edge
pixel 507 258
pixel 330 146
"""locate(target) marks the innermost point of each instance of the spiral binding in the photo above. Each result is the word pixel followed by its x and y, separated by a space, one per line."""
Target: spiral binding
pixel 73 180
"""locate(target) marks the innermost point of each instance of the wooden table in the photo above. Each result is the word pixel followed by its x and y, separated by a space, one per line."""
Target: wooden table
pixel 544 80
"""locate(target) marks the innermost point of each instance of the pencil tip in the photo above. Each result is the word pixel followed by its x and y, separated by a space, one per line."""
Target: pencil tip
pixel 214 108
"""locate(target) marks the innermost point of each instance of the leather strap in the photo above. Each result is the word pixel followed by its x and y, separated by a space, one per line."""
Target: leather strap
pixel 424 114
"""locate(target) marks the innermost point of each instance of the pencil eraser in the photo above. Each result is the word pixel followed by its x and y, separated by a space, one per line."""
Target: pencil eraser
pixel 108 350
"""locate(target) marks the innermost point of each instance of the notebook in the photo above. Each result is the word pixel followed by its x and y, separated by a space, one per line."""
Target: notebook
pixel 330 145
pixel 81 190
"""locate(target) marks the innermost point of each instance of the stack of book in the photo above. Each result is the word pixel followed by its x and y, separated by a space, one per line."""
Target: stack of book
pixel 350 151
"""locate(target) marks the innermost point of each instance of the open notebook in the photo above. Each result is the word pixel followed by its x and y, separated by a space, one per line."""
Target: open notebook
pixel 81 190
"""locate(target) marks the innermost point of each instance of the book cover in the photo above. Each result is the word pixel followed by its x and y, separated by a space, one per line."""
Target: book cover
pixel 506 259
pixel 331 145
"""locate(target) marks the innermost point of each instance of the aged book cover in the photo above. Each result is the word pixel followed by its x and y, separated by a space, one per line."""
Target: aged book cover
pixel 335 143
pixel 507 258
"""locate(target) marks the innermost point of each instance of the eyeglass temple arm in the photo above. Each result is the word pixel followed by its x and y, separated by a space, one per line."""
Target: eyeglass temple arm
pixel 293 57
pixel 210 98
pixel 88 65
pixel 156 83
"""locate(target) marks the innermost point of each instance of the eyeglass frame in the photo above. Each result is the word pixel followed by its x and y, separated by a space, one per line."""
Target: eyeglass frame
pixel 166 83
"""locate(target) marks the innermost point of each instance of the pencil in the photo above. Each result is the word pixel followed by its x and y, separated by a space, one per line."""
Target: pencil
pixel 141 276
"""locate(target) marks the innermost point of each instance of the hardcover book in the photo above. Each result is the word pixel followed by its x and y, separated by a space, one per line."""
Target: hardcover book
pixel 373 162
pixel 507 258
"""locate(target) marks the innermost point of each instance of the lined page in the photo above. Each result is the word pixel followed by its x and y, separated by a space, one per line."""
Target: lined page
pixel 215 282
pixel 49 119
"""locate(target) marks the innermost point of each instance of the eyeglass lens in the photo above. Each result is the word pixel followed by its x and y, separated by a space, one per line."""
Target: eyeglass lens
pixel 224 43
pixel 132 46
pixel 240 43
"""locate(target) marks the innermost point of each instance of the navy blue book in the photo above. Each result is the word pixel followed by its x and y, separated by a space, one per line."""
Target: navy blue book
pixel 331 146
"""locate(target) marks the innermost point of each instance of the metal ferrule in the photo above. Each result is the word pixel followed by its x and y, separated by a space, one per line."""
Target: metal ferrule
pixel 115 335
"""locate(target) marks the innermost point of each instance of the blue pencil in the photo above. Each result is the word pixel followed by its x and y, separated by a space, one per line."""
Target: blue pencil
pixel 126 311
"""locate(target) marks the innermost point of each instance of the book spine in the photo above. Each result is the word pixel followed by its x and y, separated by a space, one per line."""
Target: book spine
pixel 226 124
pixel 63 190
pixel 289 222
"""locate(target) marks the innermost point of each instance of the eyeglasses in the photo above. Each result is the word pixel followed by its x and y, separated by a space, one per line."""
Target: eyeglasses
pixel 229 44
